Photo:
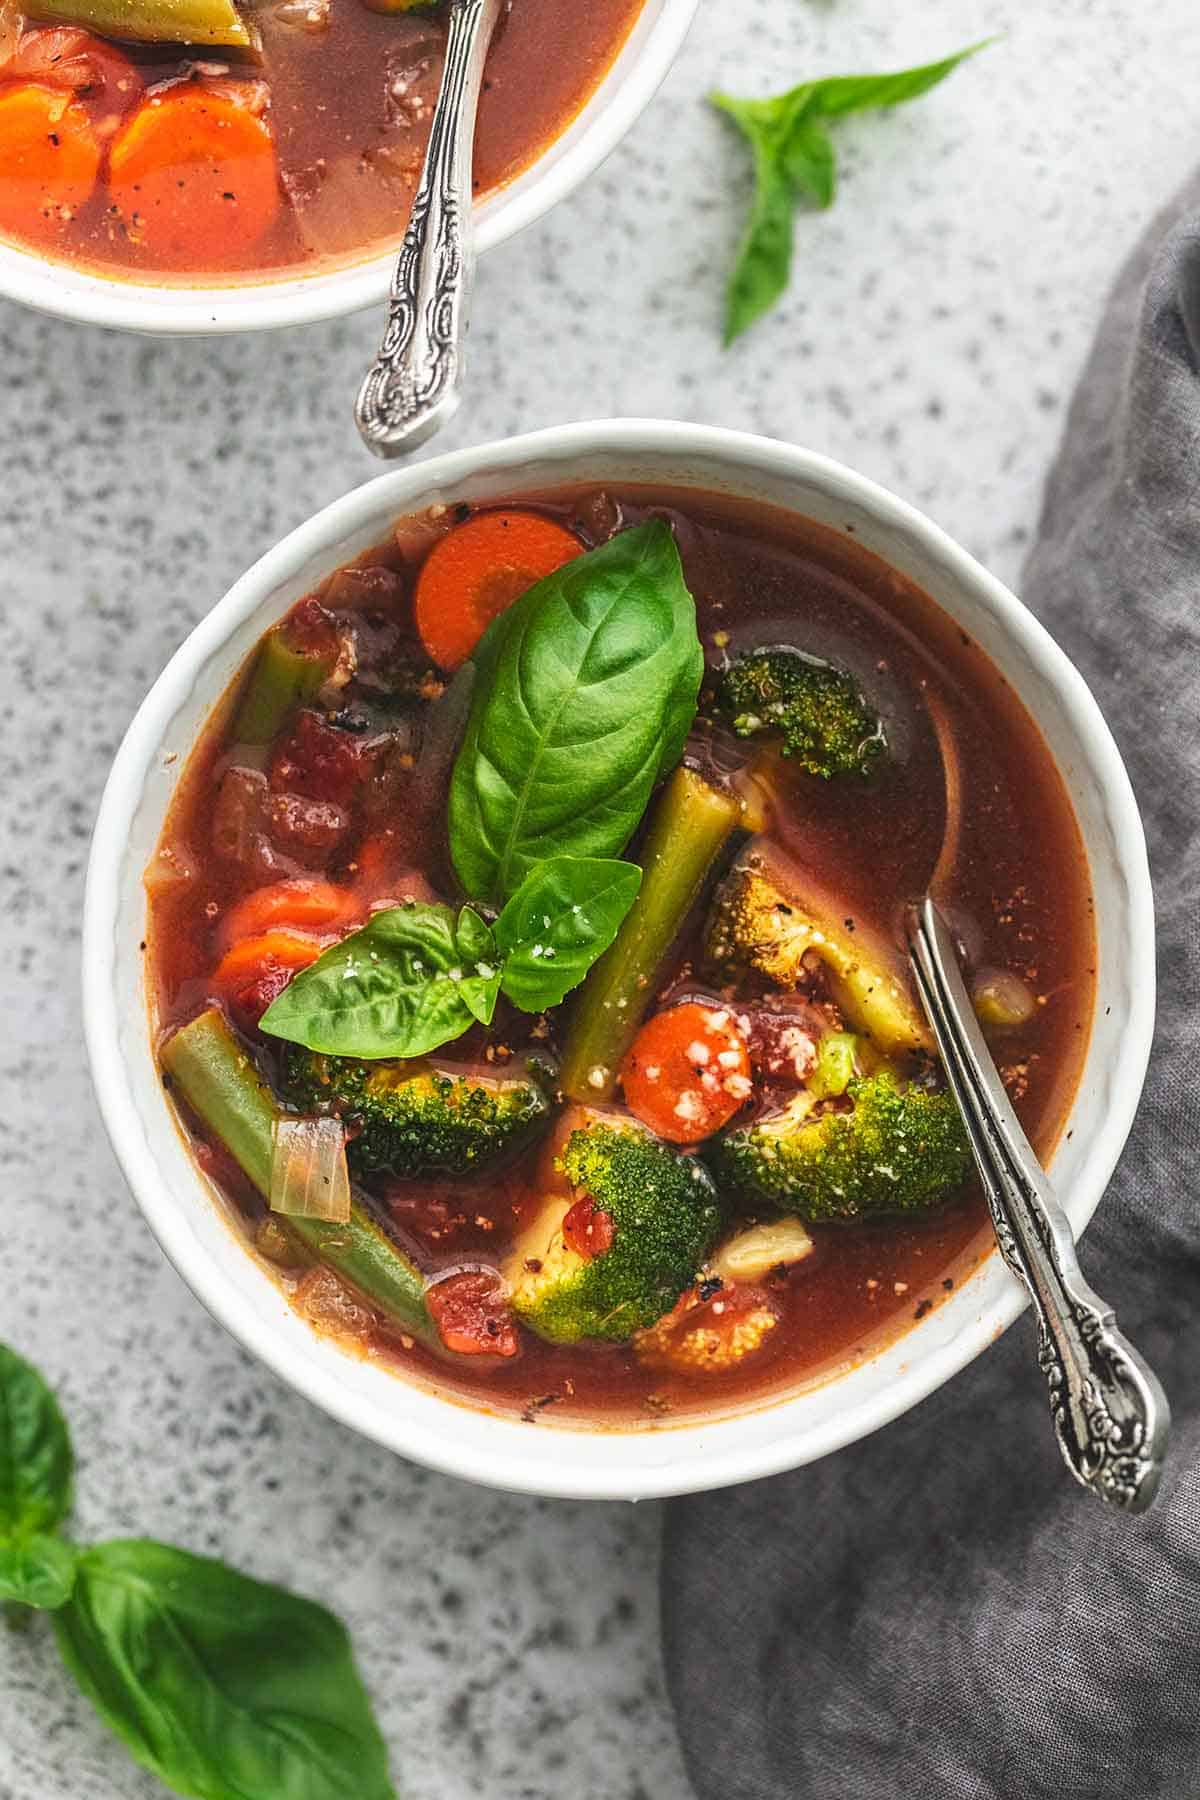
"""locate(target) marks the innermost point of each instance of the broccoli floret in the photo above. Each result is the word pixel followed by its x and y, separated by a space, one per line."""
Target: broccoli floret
pixel 760 926
pixel 663 1219
pixel 410 1117
pixel 902 1148
pixel 819 712
pixel 703 1337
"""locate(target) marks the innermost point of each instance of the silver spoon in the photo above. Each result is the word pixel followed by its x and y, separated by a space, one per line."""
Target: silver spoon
pixel 412 387
pixel 1109 1412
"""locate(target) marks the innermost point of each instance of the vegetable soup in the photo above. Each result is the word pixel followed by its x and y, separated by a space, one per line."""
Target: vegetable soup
pixel 526 957
pixel 228 141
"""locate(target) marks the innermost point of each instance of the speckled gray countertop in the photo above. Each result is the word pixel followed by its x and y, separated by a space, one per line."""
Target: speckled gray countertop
pixel 935 326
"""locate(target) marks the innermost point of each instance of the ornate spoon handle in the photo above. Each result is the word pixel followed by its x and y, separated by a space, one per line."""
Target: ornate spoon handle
pixel 1109 1412
pixel 411 389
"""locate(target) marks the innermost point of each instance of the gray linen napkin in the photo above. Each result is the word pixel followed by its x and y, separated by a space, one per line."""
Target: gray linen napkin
pixel 939 1611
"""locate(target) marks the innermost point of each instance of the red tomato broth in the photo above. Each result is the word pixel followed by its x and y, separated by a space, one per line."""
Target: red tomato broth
pixel 347 108
pixel 1019 895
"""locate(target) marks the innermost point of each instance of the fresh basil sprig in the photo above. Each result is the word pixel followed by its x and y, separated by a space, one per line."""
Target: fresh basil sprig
pixel 37 1568
pixel 224 1687
pixel 794 157
pixel 561 919
pixel 413 978
pixel 585 690
pixel 418 975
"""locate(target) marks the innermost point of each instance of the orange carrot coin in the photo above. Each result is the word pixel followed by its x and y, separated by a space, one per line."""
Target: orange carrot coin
pixel 50 156
pixel 278 949
pixel 688 1072
pixel 478 570
pixel 193 179
pixel 307 902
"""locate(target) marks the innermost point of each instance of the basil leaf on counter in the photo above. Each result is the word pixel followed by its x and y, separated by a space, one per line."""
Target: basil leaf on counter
pixel 37 1569
pixel 794 157
pixel 222 1686
pixel 413 978
pixel 564 915
pixel 36 1463
pixel 585 690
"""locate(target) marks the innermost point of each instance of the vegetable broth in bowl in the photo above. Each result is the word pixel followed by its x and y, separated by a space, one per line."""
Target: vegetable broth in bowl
pixel 670 1253
pixel 281 139
pixel 707 1160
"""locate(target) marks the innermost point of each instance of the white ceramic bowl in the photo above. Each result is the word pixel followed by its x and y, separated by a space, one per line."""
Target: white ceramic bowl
pixel 174 1196
pixel 631 82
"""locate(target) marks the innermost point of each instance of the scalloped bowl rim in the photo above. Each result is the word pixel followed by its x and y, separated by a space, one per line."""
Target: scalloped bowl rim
pixel 90 298
pixel 449 1434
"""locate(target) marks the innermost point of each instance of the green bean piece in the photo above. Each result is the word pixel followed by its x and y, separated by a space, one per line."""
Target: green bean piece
pixel 220 1083
pixel 280 679
pixel 691 823
pixel 150 21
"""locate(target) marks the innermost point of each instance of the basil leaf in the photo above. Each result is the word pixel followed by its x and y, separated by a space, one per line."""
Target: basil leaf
pixel 477 947
pixel 584 693
pixel 764 260
pixel 564 915
pixel 36 1463
pixel 37 1570
pixel 837 95
pixel 413 978
pixel 811 164
pixel 224 1687
pixel 794 156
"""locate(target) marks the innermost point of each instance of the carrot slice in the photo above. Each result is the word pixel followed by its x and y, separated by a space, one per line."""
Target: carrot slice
pixel 192 176
pixel 50 157
pixel 688 1072
pixel 477 571
pixel 278 949
pixel 306 902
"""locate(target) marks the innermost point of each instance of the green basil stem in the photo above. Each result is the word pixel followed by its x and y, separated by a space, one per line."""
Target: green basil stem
pixel 280 679
pixel 150 21
pixel 223 1088
pixel 691 823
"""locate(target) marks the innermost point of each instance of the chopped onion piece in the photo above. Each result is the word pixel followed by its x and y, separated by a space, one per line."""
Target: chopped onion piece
pixel 1002 1000
pixel 11 24
pixel 171 867
pixel 753 1253
pixel 309 15
pixel 309 1177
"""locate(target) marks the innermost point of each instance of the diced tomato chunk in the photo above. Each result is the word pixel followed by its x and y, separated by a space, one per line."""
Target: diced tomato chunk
pixel 311 829
pixel 250 1001
pixel 312 631
pixel 322 761
pixel 471 1314
pixel 306 903
pixel 587 1230
pixel 783 1045
pixel 239 826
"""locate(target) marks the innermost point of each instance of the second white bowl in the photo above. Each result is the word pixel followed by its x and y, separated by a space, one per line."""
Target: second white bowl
pixel 92 299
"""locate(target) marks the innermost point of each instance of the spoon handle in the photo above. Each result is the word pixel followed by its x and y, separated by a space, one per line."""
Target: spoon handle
pixel 1109 1412
pixel 412 387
